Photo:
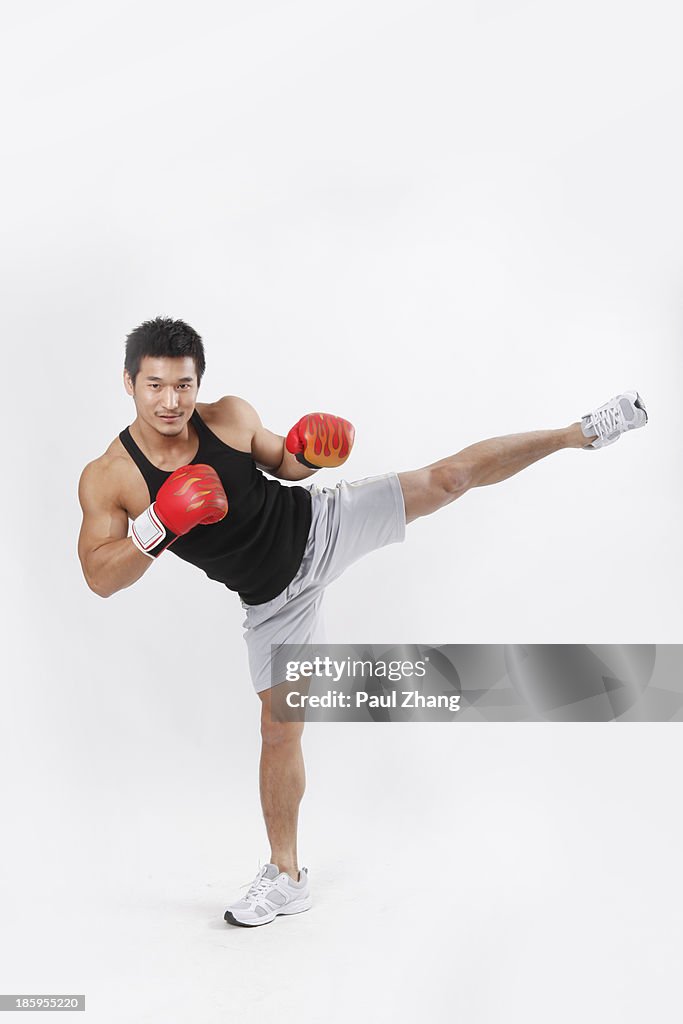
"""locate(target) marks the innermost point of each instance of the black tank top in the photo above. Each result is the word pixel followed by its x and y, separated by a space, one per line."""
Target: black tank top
pixel 257 549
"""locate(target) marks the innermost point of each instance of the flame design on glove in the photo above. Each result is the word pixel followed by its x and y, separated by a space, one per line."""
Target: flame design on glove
pixel 198 499
pixel 326 436
pixel 188 483
pixel 321 440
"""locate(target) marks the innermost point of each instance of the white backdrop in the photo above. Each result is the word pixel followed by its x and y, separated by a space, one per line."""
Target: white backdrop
pixel 444 222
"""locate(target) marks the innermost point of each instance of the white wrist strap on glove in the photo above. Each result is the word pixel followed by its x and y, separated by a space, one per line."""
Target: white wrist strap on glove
pixel 148 532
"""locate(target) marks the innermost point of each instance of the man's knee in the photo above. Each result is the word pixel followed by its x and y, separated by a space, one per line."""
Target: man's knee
pixel 451 479
pixel 426 490
pixel 277 734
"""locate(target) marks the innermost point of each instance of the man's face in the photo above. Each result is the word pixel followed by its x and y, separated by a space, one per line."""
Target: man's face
pixel 164 392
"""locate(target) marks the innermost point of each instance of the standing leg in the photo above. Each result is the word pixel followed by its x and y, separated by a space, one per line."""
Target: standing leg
pixel 487 462
pixel 282 782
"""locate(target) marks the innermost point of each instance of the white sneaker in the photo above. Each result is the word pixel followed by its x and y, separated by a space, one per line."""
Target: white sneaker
pixel 614 418
pixel 271 893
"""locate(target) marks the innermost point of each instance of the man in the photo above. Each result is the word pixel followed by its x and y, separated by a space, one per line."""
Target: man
pixel 191 478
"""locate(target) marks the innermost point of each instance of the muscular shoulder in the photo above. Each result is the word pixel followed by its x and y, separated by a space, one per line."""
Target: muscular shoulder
pixel 233 419
pixel 231 409
pixel 103 481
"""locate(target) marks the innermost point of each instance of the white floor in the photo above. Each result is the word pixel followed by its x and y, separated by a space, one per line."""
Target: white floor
pixel 491 872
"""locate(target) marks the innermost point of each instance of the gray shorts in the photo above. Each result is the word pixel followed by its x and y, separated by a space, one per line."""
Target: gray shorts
pixel 347 522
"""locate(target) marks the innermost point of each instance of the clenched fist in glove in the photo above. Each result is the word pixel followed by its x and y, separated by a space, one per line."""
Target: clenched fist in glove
pixel 191 496
pixel 321 440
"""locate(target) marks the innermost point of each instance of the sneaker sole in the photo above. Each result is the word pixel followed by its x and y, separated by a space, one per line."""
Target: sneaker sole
pixel 297 908
pixel 640 404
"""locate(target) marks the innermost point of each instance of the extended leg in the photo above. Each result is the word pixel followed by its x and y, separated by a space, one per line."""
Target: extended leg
pixel 282 782
pixel 487 462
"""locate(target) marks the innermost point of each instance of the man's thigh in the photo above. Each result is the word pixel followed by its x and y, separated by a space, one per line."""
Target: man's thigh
pixel 352 519
pixel 362 516
pixel 298 623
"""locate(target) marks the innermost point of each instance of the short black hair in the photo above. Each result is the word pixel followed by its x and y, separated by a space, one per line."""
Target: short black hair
pixel 163 337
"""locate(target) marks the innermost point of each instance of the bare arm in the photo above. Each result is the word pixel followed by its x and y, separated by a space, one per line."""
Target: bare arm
pixel 109 559
pixel 267 448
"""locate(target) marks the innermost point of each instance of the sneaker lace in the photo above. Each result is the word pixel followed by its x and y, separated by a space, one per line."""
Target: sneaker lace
pixel 606 420
pixel 258 887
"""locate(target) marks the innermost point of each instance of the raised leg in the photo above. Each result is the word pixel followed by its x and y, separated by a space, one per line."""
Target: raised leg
pixel 487 462
pixel 282 781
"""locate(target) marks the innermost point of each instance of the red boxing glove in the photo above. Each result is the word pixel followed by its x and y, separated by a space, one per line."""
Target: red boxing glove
pixel 193 495
pixel 321 440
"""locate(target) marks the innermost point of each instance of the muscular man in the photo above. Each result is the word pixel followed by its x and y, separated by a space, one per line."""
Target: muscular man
pixel 191 477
